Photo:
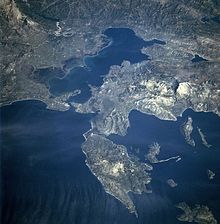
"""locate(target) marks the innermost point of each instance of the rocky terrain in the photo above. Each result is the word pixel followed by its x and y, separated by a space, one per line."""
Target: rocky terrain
pixel 199 214
pixel 37 34
pixel 143 90
pixel 116 170
pixel 187 129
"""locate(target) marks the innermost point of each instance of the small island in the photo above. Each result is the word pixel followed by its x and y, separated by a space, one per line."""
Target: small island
pixel 210 174
pixel 203 138
pixel 187 129
pixel 172 183
pixel 199 214
pixel 154 151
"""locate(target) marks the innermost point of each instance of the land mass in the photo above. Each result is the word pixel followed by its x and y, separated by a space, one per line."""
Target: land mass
pixel 199 214
pixel 56 35
pixel 187 129
pixel 172 183
pixel 160 95
pixel 203 138
pixel 37 34
pixel 143 90
pixel 210 174
pixel 154 151
pixel 116 170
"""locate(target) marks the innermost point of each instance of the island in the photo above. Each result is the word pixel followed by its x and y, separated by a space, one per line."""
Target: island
pixel 203 138
pixel 199 214
pixel 210 174
pixel 172 183
pixel 187 129
pixel 154 150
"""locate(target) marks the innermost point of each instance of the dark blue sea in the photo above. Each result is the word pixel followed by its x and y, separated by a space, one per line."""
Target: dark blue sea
pixel 190 173
pixel 44 175
pixel 44 178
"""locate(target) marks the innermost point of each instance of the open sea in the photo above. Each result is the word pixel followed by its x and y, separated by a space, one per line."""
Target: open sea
pixel 44 178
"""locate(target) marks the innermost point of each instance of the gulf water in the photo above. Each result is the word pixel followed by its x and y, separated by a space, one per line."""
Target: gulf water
pixel 123 44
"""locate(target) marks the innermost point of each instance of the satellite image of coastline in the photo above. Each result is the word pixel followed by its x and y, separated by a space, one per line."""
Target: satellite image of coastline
pixel 110 111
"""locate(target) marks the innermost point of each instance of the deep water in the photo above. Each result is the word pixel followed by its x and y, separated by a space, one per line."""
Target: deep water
pixel 44 175
pixel 45 179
